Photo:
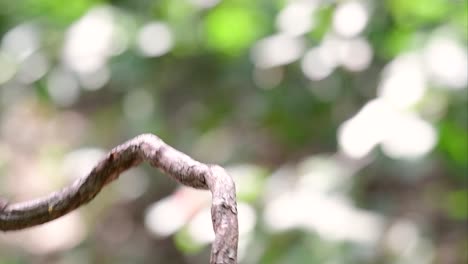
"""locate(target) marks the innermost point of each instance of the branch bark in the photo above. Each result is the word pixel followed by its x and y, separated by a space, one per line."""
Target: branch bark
pixel 149 148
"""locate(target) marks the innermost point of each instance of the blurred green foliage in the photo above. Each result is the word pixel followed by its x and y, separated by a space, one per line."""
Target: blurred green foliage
pixel 208 96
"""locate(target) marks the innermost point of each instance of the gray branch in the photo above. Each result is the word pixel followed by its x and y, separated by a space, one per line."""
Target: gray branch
pixel 149 148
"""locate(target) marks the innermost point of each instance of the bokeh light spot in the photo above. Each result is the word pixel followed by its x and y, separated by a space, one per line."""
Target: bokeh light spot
pixel 447 63
pixel 63 87
pixel 350 18
pixel 277 50
pixel 404 81
pixel 355 54
pixel 410 137
pixel 91 40
pixel 33 68
pixel 21 41
pixel 155 39
pixel 296 19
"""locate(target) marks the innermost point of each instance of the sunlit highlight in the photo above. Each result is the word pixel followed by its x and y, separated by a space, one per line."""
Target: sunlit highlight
pixel 21 41
pixel 91 41
pixel 316 64
pixel 360 134
pixel 296 19
pixel 410 137
pixel 155 39
pixel 404 81
pixel 402 135
pixel 350 18
pixel 447 62
pixel 277 50
pixel 355 54
pixel 94 80
pixel 63 87
pixel 33 68
pixel 165 217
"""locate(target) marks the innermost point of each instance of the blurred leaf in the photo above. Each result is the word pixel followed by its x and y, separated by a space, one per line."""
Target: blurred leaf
pixel 457 204
pixel 185 243
pixel 182 15
pixel 323 18
pixel 279 245
pixel 250 181
pixel 175 11
pixel 416 12
pixel 61 11
pixel 397 41
pixel 232 28
pixel 302 247
pixel 460 18
pixel 454 142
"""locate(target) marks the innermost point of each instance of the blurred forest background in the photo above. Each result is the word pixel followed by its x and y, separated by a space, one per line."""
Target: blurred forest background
pixel 344 124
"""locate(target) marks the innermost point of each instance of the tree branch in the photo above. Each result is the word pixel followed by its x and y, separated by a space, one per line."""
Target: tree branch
pixel 149 148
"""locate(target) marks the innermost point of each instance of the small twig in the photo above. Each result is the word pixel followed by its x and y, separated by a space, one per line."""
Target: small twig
pixel 15 216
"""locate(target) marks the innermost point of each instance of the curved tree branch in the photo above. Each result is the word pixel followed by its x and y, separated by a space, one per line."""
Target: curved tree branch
pixel 160 155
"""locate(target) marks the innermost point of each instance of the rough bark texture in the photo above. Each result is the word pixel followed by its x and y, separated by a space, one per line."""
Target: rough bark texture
pixel 147 147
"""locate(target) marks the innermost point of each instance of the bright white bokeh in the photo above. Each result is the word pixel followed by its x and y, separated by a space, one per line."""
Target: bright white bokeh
pixel 317 64
pixel 280 215
pixel 190 208
pixel 339 220
pixel 321 174
pixel 296 18
pixel 402 135
pixel 310 196
pixel 165 217
pixel 402 237
pixel 63 87
pixel 446 61
pixel 332 217
pixel 21 41
pixel 155 39
pixel 200 227
pixel 360 134
pixel 91 40
pixel 94 80
pixel 132 184
pixel 331 44
pixel 409 137
pixel 33 68
pixel 79 163
pixel 277 50
pixel 404 81
pixel 350 18
pixel 355 54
